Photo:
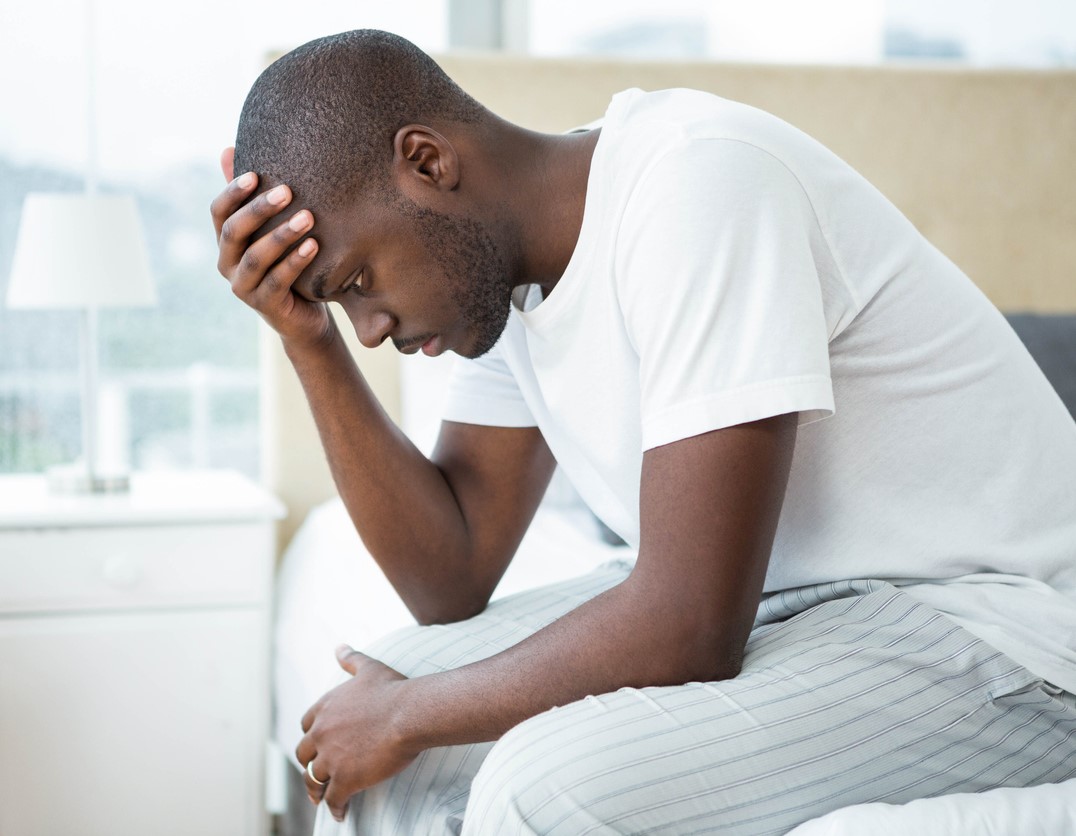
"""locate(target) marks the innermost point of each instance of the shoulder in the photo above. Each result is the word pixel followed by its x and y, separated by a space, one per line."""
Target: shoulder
pixel 649 124
pixel 679 152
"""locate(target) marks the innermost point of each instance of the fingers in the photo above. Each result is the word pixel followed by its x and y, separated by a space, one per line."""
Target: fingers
pixel 251 265
pixel 319 785
pixel 227 162
pixel 229 200
pixel 348 658
pixel 308 719
pixel 259 268
pixel 259 265
pixel 315 780
pixel 236 223
pixel 336 800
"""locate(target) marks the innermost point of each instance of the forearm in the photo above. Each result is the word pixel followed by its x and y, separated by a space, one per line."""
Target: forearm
pixel 709 507
pixel 626 637
pixel 684 613
pixel 399 501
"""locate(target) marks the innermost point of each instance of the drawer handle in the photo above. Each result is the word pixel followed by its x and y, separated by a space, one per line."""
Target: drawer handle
pixel 121 572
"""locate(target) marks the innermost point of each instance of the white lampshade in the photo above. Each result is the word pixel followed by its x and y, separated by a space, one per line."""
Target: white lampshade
pixel 80 251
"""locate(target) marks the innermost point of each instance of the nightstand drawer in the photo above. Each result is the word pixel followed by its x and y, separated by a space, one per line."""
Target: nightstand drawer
pixel 134 567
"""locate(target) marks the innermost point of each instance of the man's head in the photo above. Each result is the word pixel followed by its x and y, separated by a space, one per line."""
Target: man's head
pixel 322 117
pixel 344 120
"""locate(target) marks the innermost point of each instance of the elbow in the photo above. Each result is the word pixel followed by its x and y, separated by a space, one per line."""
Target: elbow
pixel 444 597
pixel 679 668
pixel 706 665
pixel 703 658
pixel 433 617
pixel 728 668
pixel 447 611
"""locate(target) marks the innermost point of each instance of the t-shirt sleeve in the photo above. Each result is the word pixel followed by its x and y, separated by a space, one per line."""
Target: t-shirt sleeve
pixel 718 284
pixel 484 391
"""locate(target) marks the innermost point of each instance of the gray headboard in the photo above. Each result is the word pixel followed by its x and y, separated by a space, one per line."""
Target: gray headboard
pixel 1052 342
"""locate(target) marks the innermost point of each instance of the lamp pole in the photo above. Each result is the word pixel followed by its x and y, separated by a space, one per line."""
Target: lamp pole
pixel 88 314
pixel 91 98
pixel 83 251
pixel 88 335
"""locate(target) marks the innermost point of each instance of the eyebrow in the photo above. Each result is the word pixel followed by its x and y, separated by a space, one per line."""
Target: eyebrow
pixel 321 278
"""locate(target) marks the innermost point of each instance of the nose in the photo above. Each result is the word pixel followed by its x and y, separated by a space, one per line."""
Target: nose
pixel 372 327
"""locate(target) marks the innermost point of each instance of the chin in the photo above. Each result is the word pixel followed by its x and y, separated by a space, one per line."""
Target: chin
pixel 477 345
pixel 470 352
pixel 480 340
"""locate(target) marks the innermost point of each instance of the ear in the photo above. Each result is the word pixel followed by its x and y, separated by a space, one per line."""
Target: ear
pixel 424 158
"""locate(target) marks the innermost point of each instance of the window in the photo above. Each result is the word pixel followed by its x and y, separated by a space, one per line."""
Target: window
pixel 178 382
pixel 994 33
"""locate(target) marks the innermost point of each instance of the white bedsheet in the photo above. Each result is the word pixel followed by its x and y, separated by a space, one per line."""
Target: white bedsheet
pixel 1047 810
pixel 330 591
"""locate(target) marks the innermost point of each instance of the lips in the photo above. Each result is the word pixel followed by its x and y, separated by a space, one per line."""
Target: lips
pixel 414 344
pixel 433 346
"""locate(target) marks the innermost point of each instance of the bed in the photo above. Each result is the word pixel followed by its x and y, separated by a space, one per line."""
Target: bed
pixel 983 162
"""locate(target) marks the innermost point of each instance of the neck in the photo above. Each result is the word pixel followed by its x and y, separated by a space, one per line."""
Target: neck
pixel 540 186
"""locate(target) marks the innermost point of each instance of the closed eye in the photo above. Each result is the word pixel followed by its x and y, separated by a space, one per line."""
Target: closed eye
pixel 356 286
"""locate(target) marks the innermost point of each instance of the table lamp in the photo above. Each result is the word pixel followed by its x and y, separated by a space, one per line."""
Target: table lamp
pixel 85 252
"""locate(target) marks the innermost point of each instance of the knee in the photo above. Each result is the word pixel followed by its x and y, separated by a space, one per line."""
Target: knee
pixel 507 789
pixel 537 779
pixel 413 651
pixel 658 760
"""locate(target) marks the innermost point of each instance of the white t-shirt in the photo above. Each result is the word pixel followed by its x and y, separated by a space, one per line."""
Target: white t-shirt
pixel 730 268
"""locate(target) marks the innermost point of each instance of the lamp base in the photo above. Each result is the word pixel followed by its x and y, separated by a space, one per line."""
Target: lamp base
pixel 75 479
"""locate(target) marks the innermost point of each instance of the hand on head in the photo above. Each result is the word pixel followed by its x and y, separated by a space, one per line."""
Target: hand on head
pixel 263 267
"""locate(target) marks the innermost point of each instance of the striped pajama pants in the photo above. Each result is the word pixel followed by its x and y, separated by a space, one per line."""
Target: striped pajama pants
pixel 850 692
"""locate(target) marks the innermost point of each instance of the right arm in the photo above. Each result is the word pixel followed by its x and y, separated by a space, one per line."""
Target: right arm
pixel 442 529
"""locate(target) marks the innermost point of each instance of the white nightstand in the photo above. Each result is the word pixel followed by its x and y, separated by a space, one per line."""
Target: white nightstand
pixel 134 647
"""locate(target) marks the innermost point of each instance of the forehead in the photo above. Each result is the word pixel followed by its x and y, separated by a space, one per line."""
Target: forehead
pixel 346 237
pixel 316 279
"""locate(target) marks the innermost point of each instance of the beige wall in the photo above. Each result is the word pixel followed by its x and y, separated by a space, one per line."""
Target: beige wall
pixel 983 162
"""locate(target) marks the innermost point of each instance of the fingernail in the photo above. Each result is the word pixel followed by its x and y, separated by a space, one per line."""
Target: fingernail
pixel 307 247
pixel 299 221
pixel 276 196
pixel 246 181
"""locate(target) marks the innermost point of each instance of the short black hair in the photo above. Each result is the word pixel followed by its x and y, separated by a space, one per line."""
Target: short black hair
pixel 322 117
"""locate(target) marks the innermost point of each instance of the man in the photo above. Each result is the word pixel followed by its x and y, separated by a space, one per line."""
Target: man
pixel 667 307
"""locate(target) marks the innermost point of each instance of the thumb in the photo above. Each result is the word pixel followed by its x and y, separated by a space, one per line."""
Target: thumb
pixel 348 658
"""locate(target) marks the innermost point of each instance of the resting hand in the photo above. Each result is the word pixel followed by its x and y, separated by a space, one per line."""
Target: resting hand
pixel 263 270
pixel 351 733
